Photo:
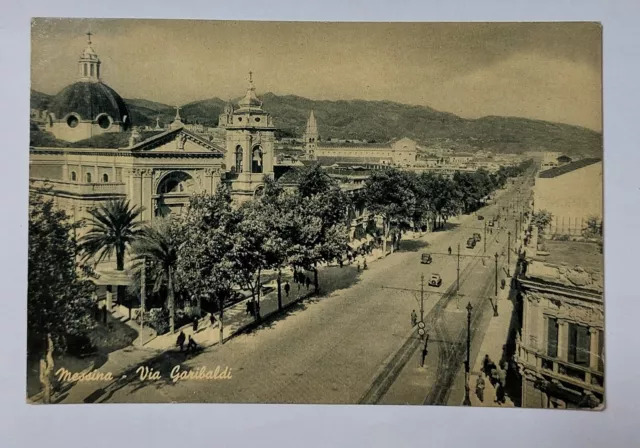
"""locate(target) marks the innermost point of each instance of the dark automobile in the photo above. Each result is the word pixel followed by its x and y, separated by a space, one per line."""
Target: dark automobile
pixel 471 243
pixel 477 237
pixel 426 259
pixel 480 217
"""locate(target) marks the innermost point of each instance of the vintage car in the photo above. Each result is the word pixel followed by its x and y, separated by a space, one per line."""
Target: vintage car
pixel 426 258
pixel 471 243
pixel 491 223
pixel 480 217
pixel 477 237
pixel 435 280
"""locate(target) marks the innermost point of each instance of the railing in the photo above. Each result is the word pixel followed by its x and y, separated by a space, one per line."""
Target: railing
pixel 562 370
pixel 79 188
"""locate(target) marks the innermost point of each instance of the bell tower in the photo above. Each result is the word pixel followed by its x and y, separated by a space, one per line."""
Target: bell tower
pixel 249 143
pixel 310 137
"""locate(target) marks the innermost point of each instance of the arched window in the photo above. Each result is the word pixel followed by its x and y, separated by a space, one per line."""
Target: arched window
pixel 105 177
pixel 238 159
pixel 88 176
pixel 74 176
pixel 91 70
pixel 85 69
pixel 256 160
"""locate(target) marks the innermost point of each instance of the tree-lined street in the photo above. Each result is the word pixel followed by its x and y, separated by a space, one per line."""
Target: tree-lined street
pixel 331 349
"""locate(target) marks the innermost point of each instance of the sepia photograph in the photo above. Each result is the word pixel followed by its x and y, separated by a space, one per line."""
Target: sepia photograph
pixel 316 213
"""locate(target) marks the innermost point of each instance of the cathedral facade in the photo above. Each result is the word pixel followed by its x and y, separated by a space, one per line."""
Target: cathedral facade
pixel 90 151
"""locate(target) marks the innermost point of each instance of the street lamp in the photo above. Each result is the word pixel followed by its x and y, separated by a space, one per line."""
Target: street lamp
pixel 509 254
pixel 495 305
pixel 467 398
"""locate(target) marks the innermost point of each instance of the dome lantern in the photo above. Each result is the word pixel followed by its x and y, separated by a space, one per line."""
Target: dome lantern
pixel 89 63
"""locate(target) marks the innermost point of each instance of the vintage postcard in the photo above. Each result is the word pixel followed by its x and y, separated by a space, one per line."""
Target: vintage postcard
pixel 316 213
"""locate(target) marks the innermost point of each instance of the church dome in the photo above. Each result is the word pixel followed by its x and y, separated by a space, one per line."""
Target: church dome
pixel 89 100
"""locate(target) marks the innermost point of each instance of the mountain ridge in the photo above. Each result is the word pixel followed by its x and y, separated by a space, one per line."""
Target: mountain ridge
pixel 383 120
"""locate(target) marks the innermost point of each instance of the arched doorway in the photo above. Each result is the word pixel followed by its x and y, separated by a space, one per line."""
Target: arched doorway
pixel 173 193
pixel 256 160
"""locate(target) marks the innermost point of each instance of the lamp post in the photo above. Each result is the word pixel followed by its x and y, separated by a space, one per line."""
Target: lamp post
pixel 467 398
pixel 485 237
pixel 495 305
pixel 509 254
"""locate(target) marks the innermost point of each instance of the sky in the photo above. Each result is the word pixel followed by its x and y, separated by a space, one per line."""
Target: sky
pixel 548 71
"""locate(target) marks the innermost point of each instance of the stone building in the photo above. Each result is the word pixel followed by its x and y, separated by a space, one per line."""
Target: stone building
pixel 560 348
pixel 402 152
pixel 85 164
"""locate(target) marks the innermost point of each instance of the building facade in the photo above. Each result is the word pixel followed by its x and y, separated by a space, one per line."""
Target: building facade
pixel 560 349
pixel 157 170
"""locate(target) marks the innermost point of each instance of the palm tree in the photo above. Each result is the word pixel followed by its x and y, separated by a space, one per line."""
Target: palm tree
pixel 158 245
pixel 114 227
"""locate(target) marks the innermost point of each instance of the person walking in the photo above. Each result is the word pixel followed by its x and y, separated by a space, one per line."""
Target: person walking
pixel 364 266
pixel 287 288
pixel 358 266
pixel 180 340
pixel 191 345
pixel 212 319
pixel 414 318
pixel 449 250
pixel 307 282
pixel 480 385
pixel 195 325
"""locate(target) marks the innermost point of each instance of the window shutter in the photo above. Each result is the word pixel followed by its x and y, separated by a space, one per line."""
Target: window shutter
pixel 583 343
pixel 552 338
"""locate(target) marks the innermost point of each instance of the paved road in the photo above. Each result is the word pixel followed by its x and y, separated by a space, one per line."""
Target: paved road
pixel 446 323
pixel 326 350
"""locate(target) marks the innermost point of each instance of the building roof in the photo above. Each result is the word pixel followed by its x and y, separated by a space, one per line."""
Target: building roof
pixel 352 160
pixel 340 145
pixel 569 263
pixel 109 140
pixel 88 100
pixel 564 169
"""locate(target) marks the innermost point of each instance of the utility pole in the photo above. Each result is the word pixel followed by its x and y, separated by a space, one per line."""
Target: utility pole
pixel 422 298
pixel 467 398
pixel 509 254
pixel 495 305
pixel 458 273
pixel 143 294
pixel 485 237
pixel 517 233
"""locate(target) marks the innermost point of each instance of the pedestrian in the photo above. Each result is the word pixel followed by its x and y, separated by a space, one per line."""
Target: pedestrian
pixel 212 319
pixel 180 340
pixel 307 281
pixel 480 385
pixel 349 257
pixel 104 314
pixel 340 262
pixel 358 266
pixel 287 288
pixel 364 266
pixel 414 318
pixel 191 345
pixel 449 250
pixel 195 324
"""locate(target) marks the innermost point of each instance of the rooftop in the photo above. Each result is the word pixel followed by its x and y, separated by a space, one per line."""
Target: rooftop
pixel 569 263
pixel 110 140
pixel 564 169
pixel 337 145
pixel 352 160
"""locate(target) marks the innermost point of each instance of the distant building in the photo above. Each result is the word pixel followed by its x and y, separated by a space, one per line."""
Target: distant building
pixel 402 152
pixel 563 160
pixel 560 346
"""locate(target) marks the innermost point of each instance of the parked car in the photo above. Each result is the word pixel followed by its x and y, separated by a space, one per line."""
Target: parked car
pixel 491 223
pixel 471 243
pixel 480 217
pixel 426 258
pixel 435 280
pixel 477 237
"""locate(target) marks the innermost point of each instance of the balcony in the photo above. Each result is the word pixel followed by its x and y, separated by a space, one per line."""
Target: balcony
pixel 80 189
pixel 562 370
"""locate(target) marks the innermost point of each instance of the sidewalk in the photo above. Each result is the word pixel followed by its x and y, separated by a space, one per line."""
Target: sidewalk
pixel 493 344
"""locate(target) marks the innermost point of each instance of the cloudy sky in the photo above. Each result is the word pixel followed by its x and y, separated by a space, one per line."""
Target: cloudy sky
pixel 549 71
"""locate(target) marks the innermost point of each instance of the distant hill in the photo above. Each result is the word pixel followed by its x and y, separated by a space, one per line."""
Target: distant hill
pixel 382 121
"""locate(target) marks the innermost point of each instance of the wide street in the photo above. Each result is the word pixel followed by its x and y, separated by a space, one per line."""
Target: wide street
pixel 332 348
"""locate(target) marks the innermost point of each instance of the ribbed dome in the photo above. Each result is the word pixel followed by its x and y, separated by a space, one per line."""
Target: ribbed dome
pixel 88 100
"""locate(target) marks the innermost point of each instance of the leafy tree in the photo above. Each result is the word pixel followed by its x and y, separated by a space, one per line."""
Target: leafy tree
pixel 541 220
pixel 59 297
pixel 388 193
pixel 158 245
pixel 114 228
pixel 205 264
